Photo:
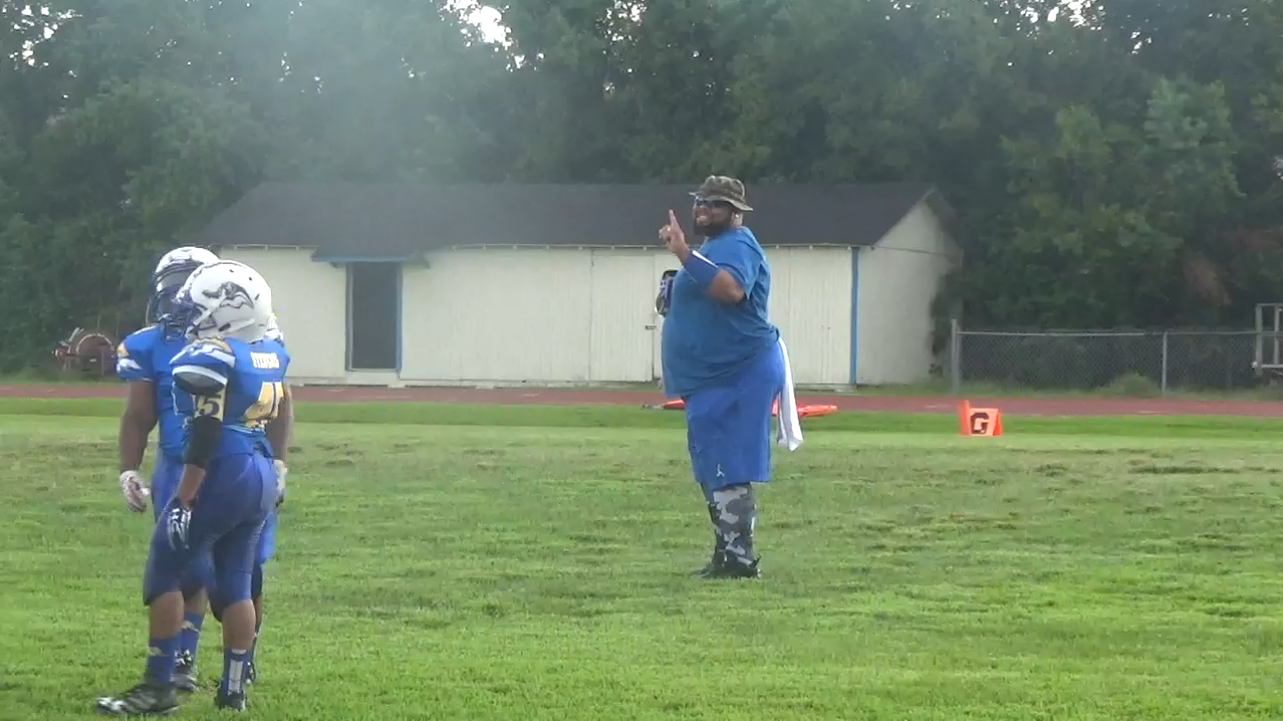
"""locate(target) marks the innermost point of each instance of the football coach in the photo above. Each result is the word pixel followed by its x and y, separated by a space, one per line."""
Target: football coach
pixel 726 362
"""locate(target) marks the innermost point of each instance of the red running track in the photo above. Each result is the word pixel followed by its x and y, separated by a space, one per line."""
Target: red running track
pixel 565 396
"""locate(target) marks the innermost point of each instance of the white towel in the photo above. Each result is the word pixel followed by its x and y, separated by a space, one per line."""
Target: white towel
pixel 789 429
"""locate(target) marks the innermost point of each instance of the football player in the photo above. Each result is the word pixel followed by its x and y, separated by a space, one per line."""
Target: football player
pixel 228 385
pixel 143 362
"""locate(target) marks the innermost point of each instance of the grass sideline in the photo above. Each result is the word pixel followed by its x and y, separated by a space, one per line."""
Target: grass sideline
pixel 610 416
pixel 470 572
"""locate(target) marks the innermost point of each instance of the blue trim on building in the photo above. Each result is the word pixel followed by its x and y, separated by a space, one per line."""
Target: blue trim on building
pixel 364 259
pixel 400 312
pixel 347 341
pixel 855 314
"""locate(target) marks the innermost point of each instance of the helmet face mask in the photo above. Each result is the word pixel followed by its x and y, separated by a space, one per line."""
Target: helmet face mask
pixel 165 287
pixel 173 270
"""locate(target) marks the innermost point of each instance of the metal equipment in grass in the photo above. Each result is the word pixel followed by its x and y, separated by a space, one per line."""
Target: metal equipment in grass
pixel 86 353
pixel 1269 341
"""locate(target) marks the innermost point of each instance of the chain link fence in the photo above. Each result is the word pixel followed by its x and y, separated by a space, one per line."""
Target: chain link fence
pixel 1127 362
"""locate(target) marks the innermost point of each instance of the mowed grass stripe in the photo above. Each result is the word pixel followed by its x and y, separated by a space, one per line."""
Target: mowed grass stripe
pixel 614 416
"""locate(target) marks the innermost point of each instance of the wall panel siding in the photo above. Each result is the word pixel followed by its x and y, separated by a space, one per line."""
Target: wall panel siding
pixel 549 315
pixel 622 335
pixel 498 315
pixel 898 282
pixel 310 300
pixel 811 304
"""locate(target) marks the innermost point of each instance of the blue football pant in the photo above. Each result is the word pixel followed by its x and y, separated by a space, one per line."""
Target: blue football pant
pixel 164 482
pixel 227 520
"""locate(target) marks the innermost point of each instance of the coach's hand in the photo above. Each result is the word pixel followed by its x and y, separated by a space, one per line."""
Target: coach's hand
pixel 281 471
pixel 674 237
pixel 131 485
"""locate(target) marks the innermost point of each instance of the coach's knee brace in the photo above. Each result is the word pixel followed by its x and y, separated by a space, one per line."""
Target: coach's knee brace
pixel 736 517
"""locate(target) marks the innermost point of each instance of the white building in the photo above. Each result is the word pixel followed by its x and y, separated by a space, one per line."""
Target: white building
pixel 550 284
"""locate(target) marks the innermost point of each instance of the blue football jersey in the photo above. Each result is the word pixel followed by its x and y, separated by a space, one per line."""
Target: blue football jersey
pixel 144 356
pixel 252 378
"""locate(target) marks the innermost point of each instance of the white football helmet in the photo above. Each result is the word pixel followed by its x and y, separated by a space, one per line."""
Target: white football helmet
pixel 171 272
pixel 225 299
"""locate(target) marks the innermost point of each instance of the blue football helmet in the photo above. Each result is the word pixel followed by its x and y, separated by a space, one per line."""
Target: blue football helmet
pixel 171 272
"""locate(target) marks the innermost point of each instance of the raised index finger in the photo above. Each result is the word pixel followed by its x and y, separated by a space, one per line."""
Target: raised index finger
pixel 672 218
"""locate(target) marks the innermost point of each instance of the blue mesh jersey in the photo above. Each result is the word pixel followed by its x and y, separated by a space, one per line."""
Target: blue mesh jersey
pixel 144 356
pixel 252 377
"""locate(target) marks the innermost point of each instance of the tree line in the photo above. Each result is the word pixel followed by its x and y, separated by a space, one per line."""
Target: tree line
pixel 1113 162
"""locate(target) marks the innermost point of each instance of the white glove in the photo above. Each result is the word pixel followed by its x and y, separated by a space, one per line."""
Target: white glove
pixel 281 471
pixel 131 485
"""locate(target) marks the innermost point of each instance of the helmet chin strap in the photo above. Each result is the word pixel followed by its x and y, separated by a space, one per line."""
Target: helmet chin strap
pixel 233 330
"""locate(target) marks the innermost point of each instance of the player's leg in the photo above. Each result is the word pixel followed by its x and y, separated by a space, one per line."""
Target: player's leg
pixel 233 569
pixel 162 594
pixel 195 605
pixel 164 481
pixel 733 436
pixel 235 556
pixel 266 549
pixel 165 475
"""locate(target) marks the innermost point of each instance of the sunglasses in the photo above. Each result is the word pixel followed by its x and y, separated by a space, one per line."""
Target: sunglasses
pixel 701 202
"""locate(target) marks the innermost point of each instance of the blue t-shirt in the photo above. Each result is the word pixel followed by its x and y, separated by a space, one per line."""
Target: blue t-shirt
pixel 144 356
pixel 705 341
pixel 250 378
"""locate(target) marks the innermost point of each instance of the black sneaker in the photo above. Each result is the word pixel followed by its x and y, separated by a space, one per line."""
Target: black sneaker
pixel 148 698
pixel 719 554
pixel 731 567
pixel 185 672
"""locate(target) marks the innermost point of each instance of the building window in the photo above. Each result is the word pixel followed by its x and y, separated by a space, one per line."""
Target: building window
pixel 374 316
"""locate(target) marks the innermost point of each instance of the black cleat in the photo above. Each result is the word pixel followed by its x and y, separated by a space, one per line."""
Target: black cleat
pixel 148 698
pixel 231 701
pixel 185 672
pixel 251 673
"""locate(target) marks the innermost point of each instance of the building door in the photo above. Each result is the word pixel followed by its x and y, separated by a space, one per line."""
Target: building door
pixel 374 316
pixel 622 344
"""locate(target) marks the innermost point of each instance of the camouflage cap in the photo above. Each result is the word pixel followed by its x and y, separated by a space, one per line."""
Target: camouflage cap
pixel 726 189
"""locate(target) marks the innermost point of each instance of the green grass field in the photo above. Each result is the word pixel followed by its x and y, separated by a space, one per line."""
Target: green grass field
pixel 457 562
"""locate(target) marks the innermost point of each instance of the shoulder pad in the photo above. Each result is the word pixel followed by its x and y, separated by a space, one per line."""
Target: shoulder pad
pixel 206 351
pixel 205 343
pixel 198 383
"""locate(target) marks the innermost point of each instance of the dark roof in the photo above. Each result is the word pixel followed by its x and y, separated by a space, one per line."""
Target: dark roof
pixel 385 222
